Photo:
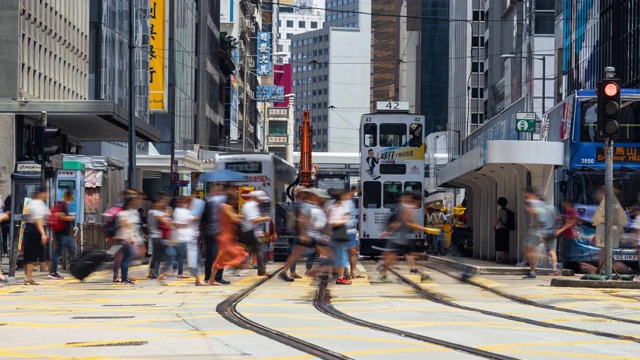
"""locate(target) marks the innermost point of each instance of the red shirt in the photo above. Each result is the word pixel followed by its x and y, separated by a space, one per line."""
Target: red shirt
pixel 569 215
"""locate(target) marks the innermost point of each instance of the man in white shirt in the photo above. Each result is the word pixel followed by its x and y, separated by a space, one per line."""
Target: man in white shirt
pixel 254 222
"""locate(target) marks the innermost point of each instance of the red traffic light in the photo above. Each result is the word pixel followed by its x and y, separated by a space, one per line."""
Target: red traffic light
pixel 611 89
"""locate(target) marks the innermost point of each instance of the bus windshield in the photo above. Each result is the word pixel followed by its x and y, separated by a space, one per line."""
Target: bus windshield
pixel 585 185
pixel 629 121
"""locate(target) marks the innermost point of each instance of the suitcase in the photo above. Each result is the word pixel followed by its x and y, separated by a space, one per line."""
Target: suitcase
pixel 87 262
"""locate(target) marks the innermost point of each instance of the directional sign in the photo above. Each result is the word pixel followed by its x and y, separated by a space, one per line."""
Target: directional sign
pixel 526 122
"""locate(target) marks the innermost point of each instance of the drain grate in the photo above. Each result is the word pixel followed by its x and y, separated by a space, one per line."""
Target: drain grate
pixel 129 305
pixel 102 317
pixel 92 344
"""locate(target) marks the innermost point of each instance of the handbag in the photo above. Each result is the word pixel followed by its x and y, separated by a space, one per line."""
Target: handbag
pixel 340 234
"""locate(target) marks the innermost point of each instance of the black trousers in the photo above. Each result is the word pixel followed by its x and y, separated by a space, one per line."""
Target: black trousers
pixel 210 253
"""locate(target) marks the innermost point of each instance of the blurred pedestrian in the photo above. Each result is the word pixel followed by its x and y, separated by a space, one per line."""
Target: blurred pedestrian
pixel 541 230
pixel 209 228
pixel 193 251
pixel 297 209
pixel 338 219
pixel 5 225
pixel 35 237
pixel 182 221
pixel 253 228
pixel 437 220
pixel 4 217
pixel 127 235
pixel 63 240
pixel 230 254
pixel 352 231
pixel 313 222
pixel 159 225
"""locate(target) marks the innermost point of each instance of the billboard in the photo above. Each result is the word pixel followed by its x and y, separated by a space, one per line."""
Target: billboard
pixel 158 56
pixel 269 93
pixel 263 52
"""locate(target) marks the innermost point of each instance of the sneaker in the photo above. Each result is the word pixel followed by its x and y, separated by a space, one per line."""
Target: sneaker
pixel 379 267
pixel 414 271
pixel 285 277
pixel 530 275
pixel 55 276
pixel 383 278
pixel 425 277
pixel 343 281
pixel 127 282
pixel 151 277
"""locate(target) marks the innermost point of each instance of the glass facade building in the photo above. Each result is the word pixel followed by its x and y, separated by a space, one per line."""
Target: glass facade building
pixel 384 51
pixel 434 64
pixel 185 65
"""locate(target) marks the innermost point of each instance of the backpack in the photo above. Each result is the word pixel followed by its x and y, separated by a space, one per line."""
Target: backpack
pixel 55 223
pixel 511 220
pixel 110 220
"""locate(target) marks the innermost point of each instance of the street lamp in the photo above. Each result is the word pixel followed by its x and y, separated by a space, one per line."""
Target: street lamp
pixel 544 75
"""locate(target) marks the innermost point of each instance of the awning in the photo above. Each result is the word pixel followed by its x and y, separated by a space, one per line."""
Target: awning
pixel 501 153
pixel 87 120
pixel 187 163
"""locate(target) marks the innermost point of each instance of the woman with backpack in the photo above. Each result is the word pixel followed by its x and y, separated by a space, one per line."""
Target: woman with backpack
pixel 502 231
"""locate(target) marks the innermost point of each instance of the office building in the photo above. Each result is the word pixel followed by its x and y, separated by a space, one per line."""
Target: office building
pixel 294 19
pixel 331 75
pixel 466 71
pixel 385 50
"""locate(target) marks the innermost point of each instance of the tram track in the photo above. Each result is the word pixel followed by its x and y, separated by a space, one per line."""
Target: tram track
pixel 322 304
pixel 428 295
pixel 528 302
pixel 228 310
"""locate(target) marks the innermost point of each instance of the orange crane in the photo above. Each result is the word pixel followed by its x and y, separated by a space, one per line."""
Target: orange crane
pixel 304 173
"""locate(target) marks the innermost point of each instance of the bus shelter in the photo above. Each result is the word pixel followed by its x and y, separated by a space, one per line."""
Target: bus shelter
pixel 502 168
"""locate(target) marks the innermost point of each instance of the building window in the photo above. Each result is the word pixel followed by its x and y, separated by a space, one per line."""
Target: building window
pixel 314 24
pixel 544 22
pixel 478 15
pixel 301 24
pixel 289 36
pixel 477 119
pixel 477 65
pixel 289 23
pixel 476 91
pixel 477 41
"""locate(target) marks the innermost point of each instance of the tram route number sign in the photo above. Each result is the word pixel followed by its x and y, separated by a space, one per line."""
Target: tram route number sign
pixel 526 122
pixel 620 154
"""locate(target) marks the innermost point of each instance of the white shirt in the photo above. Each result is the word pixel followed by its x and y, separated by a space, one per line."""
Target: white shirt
pixel 349 208
pixel 153 224
pixel 250 211
pixel 130 231
pixel 39 210
pixel 181 217
pixel 316 226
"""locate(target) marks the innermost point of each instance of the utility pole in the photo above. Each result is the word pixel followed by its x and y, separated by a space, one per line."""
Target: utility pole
pixel 608 129
pixel 244 102
pixel 132 99
pixel 173 177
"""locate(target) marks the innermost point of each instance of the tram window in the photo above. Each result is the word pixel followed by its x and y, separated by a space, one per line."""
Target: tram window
pixel 415 135
pixel 393 169
pixel 371 194
pixel 413 186
pixel 393 135
pixel 392 191
pixel 370 135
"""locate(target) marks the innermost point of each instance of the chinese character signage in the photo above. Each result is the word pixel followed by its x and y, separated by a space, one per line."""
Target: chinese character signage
pixel 277 140
pixel 620 154
pixel 157 57
pixel 263 54
pixel 278 113
pixel 269 93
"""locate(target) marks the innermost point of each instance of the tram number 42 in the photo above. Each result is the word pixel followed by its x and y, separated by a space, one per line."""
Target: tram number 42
pixel 587 161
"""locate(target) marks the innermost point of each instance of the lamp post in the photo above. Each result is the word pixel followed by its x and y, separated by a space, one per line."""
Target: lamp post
pixel 544 75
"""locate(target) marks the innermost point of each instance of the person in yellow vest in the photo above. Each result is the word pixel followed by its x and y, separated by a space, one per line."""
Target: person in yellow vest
pixel 437 220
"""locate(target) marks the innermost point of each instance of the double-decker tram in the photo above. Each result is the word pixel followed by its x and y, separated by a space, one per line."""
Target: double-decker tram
pixel 391 161
pixel 581 179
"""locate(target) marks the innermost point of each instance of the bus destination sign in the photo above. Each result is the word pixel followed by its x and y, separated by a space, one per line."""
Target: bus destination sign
pixel 620 154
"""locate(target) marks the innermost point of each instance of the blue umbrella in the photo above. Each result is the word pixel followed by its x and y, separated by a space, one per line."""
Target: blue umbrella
pixel 223 175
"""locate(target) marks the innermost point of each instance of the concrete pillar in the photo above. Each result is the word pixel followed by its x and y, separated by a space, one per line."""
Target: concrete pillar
pixel 7 152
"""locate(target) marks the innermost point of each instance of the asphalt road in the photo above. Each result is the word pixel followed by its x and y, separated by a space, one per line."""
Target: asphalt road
pixel 97 319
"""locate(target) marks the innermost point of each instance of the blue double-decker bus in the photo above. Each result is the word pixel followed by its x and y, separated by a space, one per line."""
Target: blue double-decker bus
pixel 573 121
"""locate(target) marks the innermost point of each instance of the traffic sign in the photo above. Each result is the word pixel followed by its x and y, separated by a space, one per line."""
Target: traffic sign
pixel 526 122
pixel 244 194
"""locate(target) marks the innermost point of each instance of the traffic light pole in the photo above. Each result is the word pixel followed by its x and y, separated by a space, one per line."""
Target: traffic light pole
pixel 43 165
pixel 608 207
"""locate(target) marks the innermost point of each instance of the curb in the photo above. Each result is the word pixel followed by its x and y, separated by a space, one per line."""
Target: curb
pixel 596 284
pixel 489 270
